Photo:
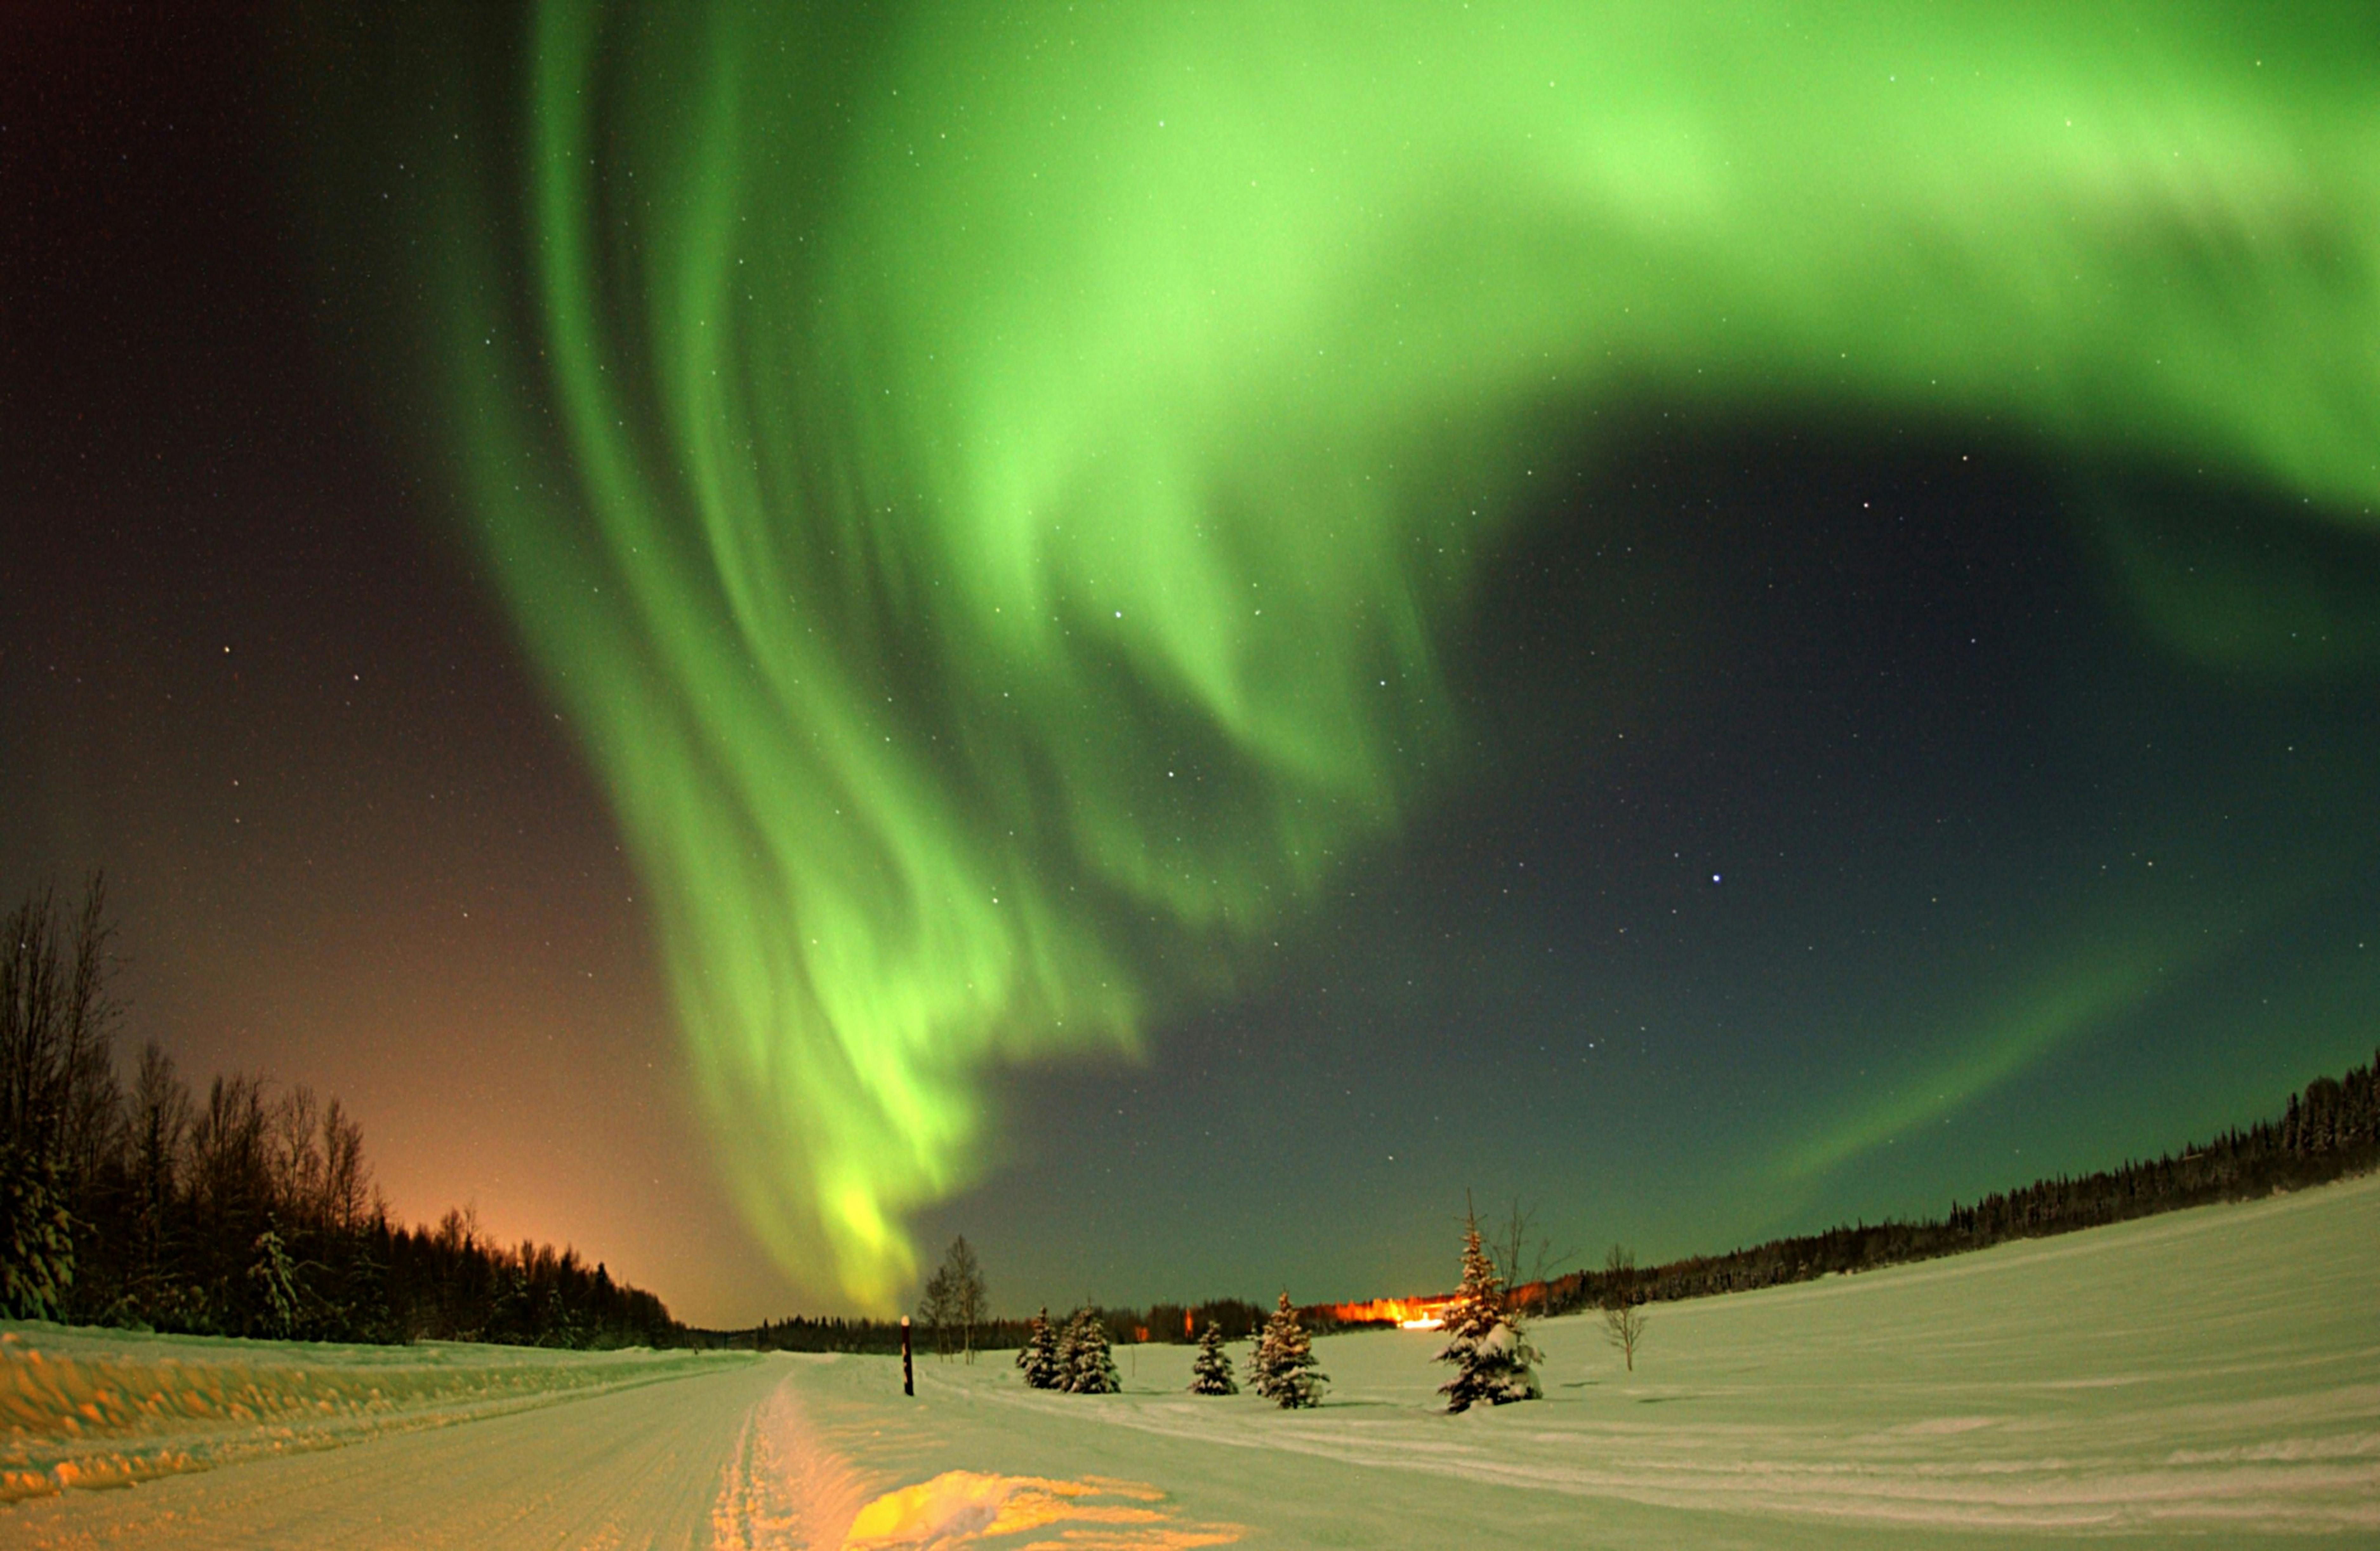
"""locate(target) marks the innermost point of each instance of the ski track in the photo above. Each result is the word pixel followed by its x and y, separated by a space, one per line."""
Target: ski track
pixel 2210 1376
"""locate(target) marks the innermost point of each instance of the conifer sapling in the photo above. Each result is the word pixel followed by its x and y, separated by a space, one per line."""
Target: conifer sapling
pixel 1210 1371
pixel 1062 1354
pixel 1039 1355
pixel 1283 1370
pixel 1087 1367
pixel 1492 1360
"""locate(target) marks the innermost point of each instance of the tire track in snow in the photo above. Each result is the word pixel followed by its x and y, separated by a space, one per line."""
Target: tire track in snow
pixel 784 1489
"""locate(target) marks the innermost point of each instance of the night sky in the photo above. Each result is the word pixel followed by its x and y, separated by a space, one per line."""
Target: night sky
pixel 1169 642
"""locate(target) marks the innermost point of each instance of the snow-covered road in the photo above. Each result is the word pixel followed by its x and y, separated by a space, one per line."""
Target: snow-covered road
pixel 2209 1377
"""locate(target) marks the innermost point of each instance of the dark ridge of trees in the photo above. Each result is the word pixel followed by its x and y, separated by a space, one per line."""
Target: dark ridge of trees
pixel 2329 1131
pixel 1179 1324
pixel 1238 1318
pixel 835 1333
pixel 248 1211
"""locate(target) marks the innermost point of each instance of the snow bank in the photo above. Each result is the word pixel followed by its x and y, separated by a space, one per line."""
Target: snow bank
pixel 94 1408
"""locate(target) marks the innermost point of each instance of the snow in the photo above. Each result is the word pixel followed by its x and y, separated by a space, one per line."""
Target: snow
pixel 2211 1375
pixel 98 1408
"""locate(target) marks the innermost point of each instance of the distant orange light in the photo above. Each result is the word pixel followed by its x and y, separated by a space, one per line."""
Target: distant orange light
pixel 1419 1314
pixel 1410 1313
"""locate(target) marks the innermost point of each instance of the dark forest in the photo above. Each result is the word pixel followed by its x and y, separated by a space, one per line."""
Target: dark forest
pixel 246 1211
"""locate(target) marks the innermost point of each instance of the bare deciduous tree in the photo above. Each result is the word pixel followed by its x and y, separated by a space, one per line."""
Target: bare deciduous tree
pixel 158 1129
pixel 58 1098
pixel 230 1162
pixel 347 1178
pixel 297 1158
pixel 970 1301
pixel 937 1307
pixel 955 1303
pixel 1623 1304
pixel 1524 1257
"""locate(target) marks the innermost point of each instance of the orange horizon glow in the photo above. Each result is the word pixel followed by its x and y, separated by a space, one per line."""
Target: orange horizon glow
pixel 1410 1313
pixel 1416 1313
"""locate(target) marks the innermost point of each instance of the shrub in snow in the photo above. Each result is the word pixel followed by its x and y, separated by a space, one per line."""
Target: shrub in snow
pixel 1282 1370
pixel 1086 1366
pixel 1039 1355
pixel 1210 1371
pixel 1492 1360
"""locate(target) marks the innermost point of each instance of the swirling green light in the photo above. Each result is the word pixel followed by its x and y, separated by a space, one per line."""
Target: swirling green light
pixel 989 482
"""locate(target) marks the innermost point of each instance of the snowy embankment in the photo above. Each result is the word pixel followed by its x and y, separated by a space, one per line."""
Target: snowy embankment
pixel 88 1408
pixel 2210 1376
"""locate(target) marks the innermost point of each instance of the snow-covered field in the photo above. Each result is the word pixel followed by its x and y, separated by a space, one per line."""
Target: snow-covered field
pixel 2211 1376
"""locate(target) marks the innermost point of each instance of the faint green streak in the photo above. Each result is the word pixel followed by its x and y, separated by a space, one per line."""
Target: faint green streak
pixel 2075 1002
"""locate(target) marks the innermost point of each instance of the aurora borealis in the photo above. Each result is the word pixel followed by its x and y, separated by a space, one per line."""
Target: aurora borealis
pixel 1064 535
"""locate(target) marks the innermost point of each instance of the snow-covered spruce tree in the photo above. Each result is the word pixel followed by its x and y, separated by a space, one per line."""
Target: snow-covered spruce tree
pixel 1039 1355
pixel 276 1279
pixel 1492 1360
pixel 1210 1371
pixel 1260 1356
pixel 1063 1354
pixel 1284 1371
pixel 1087 1366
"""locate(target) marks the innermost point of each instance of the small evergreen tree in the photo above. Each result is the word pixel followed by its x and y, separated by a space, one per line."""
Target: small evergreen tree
pixel 1492 1360
pixel 276 1279
pixel 1283 1370
pixel 1087 1366
pixel 1063 1354
pixel 36 1236
pixel 1039 1356
pixel 1210 1371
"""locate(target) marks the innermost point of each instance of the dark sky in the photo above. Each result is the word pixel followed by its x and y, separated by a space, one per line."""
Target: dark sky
pixel 1836 831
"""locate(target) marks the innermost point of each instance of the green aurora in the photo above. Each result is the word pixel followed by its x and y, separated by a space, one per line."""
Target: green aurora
pixel 993 485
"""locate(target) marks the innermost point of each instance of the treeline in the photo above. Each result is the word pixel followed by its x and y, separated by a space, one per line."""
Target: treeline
pixel 2329 1131
pixel 1178 1323
pixel 248 1212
